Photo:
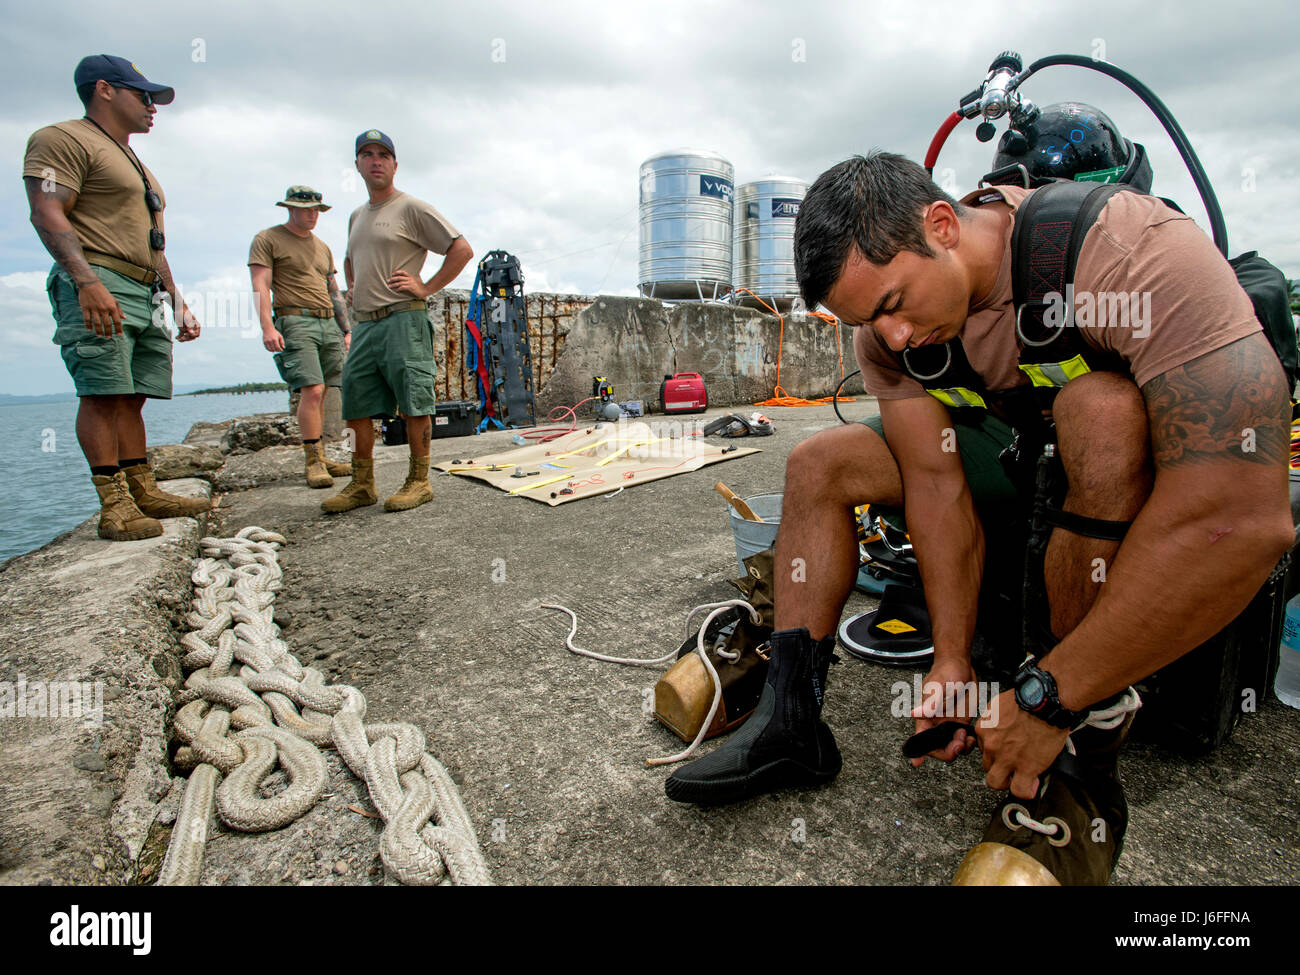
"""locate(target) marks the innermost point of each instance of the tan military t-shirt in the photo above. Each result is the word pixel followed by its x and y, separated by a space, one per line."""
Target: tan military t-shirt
pixel 1180 300
pixel 110 215
pixel 392 236
pixel 298 267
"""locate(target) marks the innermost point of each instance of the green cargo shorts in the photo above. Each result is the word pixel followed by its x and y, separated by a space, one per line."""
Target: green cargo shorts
pixel 138 362
pixel 390 366
pixel 979 446
pixel 313 351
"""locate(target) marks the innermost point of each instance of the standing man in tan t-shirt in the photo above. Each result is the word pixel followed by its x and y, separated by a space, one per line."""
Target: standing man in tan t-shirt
pixel 304 318
pixel 391 365
pixel 99 212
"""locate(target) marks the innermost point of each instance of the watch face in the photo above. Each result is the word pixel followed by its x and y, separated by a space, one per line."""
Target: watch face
pixel 1031 692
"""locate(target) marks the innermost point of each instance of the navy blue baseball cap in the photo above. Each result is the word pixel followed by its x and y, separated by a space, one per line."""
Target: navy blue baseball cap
pixel 375 137
pixel 121 73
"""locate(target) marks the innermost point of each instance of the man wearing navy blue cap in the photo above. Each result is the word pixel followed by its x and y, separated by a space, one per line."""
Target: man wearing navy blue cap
pixel 391 366
pixel 99 211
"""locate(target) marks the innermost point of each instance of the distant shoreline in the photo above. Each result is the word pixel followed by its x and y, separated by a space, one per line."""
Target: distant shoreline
pixel 8 399
pixel 242 388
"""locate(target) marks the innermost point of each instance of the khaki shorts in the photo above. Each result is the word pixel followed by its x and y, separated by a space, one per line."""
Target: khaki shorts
pixel 313 351
pixel 138 362
pixel 390 366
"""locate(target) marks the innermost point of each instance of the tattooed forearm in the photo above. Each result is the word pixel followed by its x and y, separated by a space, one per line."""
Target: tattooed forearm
pixel 340 306
pixel 1228 403
pixel 49 216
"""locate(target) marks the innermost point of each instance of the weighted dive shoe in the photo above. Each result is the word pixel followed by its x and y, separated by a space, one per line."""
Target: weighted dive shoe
pixel 359 492
pixel 1073 831
pixel 119 518
pixel 784 744
pixel 157 503
pixel 416 491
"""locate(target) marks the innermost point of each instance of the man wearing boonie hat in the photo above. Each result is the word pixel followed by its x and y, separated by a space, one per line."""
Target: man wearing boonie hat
pixel 391 364
pixel 304 320
pixel 98 211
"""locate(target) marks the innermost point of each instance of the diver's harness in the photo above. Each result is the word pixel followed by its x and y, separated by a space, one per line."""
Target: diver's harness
pixel 1049 231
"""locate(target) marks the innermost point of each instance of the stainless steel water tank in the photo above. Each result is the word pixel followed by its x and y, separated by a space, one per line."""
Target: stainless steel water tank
pixel 764 239
pixel 685 222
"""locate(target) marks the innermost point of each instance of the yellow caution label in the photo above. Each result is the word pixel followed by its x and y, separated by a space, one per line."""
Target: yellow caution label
pixel 896 626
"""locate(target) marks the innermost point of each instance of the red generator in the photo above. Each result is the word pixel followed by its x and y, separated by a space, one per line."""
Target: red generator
pixel 684 393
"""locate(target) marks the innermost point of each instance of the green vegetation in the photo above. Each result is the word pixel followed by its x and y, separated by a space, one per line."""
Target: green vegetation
pixel 241 388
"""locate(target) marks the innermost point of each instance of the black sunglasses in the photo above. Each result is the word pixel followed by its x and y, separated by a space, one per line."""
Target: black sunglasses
pixel 144 95
pixel 314 197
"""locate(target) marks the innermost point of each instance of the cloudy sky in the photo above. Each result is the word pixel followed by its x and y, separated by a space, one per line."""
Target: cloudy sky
pixel 525 123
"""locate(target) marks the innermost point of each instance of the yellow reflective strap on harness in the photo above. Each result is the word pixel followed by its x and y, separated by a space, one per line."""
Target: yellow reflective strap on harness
pixel 1055 374
pixel 958 397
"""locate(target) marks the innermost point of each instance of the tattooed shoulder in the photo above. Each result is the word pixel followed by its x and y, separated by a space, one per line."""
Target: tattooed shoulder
pixel 1228 403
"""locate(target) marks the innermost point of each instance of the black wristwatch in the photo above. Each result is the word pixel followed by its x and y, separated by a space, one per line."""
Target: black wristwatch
pixel 1036 693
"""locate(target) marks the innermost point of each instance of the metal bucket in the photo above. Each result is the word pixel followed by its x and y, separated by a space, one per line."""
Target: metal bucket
pixel 753 537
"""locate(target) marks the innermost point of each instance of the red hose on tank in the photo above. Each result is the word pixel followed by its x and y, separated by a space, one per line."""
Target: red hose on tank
pixel 940 137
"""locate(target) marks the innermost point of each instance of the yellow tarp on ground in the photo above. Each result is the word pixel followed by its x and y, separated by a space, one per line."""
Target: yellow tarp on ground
pixel 596 460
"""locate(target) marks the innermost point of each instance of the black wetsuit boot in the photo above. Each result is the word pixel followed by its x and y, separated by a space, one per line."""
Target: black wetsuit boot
pixel 784 744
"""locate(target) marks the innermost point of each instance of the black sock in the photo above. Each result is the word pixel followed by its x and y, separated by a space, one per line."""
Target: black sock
pixel 104 470
pixel 312 440
pixel 134 461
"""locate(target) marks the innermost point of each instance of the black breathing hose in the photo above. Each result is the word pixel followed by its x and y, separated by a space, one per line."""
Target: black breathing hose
pixel 1217 226
pixel 835 398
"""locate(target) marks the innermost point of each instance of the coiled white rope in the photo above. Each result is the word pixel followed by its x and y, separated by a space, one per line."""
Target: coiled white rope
pixel 284 713
pixel 717 609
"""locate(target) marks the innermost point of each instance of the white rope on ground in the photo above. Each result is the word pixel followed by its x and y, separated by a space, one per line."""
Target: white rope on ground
pixel 283 713
pixel 717 610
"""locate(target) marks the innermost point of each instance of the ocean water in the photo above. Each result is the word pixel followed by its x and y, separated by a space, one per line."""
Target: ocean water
pixel 45 484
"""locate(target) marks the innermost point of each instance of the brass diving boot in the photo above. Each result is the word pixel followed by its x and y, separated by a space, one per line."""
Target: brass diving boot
pixel 416 491
pixel 359 492
pixel 317 474
pixel 157 503
pixel 119 518
pixel 1072 832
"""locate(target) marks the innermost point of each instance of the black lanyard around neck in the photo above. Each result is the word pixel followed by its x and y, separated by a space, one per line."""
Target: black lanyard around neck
pixel 134 160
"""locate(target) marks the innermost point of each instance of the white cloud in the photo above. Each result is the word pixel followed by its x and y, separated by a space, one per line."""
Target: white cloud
pixel 538 153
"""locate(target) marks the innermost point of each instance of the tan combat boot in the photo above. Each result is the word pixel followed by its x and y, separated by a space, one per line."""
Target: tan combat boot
pixel 359 492
pixel 416 491
pixel 157 503
pixel 334 467
pixel 317 475
pixel 119 518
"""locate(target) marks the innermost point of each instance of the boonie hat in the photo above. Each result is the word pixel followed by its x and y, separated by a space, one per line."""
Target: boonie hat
pixel 120 72
pixel 375 137
pixel 303 197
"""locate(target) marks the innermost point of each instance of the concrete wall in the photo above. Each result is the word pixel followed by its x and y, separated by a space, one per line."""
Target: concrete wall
pixel 635 342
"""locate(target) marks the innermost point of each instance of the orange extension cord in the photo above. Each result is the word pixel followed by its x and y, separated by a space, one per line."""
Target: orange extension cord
pixel 779 395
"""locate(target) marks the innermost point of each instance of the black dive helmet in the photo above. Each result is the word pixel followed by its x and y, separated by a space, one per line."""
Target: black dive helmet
pixel 1068 140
